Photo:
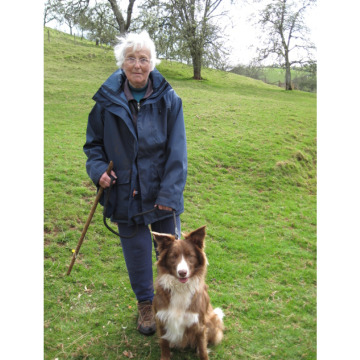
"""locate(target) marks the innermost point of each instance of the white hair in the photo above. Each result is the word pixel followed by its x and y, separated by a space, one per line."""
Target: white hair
pixel 135 42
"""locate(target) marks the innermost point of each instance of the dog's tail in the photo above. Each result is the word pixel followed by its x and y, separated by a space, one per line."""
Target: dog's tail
pixel 216 328
pixel 219 313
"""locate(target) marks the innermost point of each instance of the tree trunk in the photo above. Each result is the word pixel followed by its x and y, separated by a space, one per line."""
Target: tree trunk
pixel 196 60
pixel 287 72
pixel 288 79
pixel 197 71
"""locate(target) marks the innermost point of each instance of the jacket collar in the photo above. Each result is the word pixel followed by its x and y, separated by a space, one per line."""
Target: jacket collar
pixel 113 86
pixel 129 95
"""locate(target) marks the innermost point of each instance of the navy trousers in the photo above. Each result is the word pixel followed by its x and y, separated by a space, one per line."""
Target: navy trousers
pixel 138 254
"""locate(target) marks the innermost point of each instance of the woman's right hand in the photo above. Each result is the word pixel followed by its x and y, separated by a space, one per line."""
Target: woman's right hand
pixel 105 179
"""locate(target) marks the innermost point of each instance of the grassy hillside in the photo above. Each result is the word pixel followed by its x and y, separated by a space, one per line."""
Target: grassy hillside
pixel 251 180
pixel 274 75
pixel 300 79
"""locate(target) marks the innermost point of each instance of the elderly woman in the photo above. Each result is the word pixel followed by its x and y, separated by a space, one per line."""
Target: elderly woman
pixel 137 122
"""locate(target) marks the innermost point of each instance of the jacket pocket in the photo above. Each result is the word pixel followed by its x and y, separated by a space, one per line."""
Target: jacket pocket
pixel 158 122
pixel 157 172
pixel 122 193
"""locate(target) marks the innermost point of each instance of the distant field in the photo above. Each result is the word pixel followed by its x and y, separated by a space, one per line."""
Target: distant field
pixel 300 78
pixel 274 75
pixel 251 180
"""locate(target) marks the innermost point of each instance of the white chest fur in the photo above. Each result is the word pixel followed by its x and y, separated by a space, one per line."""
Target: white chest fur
pixel 176 317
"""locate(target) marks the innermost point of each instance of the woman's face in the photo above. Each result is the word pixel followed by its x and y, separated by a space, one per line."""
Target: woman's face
pixel 137 67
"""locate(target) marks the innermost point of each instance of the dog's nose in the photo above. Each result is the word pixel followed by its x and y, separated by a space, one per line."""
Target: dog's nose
pixel 182 273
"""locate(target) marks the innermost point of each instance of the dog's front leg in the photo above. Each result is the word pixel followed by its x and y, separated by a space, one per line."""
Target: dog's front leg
pixel 202 346
pixel 164 344
pixel 165 349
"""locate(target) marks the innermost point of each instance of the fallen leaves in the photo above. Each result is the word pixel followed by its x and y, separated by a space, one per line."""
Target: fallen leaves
pixel 128 354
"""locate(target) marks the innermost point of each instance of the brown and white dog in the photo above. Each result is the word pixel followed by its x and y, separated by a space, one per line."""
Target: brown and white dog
pixel 183 313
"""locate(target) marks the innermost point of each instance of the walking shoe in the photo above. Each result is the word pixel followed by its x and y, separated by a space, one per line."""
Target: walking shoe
pixel 146 320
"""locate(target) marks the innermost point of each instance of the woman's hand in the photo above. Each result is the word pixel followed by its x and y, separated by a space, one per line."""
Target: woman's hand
pixel 105 179
pixel 161 207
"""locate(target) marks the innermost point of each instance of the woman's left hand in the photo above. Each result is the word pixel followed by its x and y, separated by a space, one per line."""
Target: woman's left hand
pixel 161 207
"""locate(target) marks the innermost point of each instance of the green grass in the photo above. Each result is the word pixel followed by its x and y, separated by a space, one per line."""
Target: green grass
pixel 300 79
pixel 274 75
pixel 251 180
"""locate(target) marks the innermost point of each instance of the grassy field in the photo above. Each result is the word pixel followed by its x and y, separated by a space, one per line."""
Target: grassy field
pixel 300 79
pixel 251 180
pixel 273 75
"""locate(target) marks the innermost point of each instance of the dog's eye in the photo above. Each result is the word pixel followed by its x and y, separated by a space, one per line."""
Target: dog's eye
pixel 191 258
pixel 174 256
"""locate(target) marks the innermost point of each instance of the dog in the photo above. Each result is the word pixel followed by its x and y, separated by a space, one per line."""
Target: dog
pixel 183 313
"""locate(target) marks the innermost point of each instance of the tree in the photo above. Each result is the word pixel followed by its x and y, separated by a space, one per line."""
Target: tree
pixel 73 11
pixel 123 25
pixel 283 23
pixel 154 19
pixel 67 11
pixel 100 22
pixel 185 29
pixel 51 11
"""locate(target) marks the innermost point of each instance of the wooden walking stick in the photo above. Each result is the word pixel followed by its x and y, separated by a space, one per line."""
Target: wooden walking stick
pixel 108 171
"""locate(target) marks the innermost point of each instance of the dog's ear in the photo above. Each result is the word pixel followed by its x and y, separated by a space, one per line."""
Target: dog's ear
pixel 163 240
pixel 197 236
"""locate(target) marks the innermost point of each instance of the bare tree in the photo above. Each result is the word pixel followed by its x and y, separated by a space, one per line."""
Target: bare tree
pixel 285 32
pixel 123 25
pixel 192 19
pixel 51 11
pixel 67 11
pixel 99 20
pixel 186 29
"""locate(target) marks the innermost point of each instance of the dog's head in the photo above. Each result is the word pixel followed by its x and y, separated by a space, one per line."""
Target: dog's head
pixel 182 258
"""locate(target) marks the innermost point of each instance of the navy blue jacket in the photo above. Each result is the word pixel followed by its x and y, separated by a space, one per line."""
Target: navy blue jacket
pixel 151 159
